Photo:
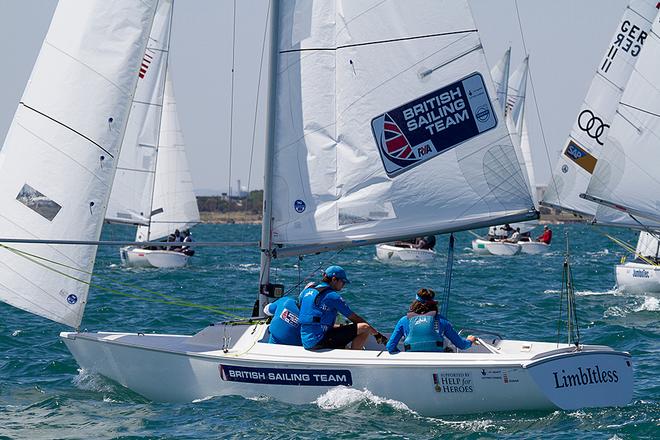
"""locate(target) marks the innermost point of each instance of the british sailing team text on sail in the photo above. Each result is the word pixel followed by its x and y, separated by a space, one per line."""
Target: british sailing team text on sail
pixel 438 112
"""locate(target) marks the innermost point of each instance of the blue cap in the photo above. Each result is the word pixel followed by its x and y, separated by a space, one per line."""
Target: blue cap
pixel 337 272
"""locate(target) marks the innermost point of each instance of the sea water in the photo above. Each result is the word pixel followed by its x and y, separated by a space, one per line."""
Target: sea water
pixel 44 394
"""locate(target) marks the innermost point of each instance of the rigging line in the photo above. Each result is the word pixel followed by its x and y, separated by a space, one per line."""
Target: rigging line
pixel 628 247
pixel 256 102
pixel 231 108
pixel 65 126
pixel 309 276
pixel 640 109
pixel 371 43
pixel 536 103
pixel 171 300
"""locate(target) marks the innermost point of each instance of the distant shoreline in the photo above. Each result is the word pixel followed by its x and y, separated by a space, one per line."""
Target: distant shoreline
pixel 246 218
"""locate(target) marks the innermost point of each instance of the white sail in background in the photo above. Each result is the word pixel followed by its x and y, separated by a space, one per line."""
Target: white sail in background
pixel 626 176
pixel 59 158
pixel 174 204
pixel 130 200
pixel 592 126
pixel 386 126
pixel 648 245
pixel 500 74
pixel 516 101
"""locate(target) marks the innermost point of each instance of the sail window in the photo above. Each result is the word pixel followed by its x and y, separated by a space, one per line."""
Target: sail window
pixel 38 202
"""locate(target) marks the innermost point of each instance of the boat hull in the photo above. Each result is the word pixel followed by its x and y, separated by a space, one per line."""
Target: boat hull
pixel 184 368
pixel 638 278
pixel 387 252
pixel 533 247
pixel 138 257
pixel 501 248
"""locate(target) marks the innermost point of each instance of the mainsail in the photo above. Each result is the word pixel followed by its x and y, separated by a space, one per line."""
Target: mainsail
pixel 592 126
pixel 174 205
pixel 59 158
pixel 626 176
pixel 386 126
pixel 130 200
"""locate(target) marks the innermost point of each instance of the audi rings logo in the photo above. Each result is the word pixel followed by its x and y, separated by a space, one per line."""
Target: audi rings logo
pixel 592 125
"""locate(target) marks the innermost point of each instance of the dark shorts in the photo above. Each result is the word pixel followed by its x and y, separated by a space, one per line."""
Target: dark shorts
pixel 338 337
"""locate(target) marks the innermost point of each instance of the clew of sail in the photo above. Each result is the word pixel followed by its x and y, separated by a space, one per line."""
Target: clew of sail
pixel 59 158
pixel 386 126
pixel 130 199
pixel 584 146
pixel 174 204
pixel 626 176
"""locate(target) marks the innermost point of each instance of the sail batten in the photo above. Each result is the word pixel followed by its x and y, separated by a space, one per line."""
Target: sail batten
pixel 58 160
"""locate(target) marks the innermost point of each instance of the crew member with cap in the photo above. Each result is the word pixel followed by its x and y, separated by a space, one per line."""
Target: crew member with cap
pixel 546 237
pixel 423 327
pixel 319 306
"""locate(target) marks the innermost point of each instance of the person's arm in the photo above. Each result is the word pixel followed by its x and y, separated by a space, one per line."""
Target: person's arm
pixel 454 337
pixel 395 337
pixel 269 310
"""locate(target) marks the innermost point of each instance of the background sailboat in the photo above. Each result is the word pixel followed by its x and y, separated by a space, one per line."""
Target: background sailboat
pixel 513 105
pixel 173 203
pixel 610 151
pixel 625 179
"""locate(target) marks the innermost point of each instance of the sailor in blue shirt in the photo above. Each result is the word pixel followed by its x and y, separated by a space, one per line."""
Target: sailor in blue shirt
pixel 423 328
pixel 319 306
pixel 285 326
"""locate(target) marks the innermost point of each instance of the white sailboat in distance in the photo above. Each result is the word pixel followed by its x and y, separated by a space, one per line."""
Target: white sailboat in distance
pixel 173 202
pixel 345 79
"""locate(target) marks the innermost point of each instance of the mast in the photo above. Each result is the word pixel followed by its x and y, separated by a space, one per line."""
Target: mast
pixel 266 225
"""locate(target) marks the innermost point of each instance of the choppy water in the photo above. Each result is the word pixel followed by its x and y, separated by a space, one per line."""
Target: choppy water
pixel 44 395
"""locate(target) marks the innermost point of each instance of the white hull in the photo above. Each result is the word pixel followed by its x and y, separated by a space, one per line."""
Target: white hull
pixel 533 247
pixel 638 278
pixel 510 375
pixel 485 247
pixel 388 252
pixel 138 257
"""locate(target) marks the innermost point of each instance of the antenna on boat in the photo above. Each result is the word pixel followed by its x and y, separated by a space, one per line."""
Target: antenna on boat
pixel 448 272
pixel 567 291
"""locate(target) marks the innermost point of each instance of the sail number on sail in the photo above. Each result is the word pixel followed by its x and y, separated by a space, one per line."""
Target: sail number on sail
pixel 432 124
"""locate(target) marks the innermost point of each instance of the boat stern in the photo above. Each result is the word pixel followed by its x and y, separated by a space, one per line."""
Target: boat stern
pixel 583 379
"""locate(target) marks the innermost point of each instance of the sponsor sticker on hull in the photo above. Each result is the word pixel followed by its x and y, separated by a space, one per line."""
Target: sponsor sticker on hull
pixel 458 382
pixel 430 125
pixel 285 376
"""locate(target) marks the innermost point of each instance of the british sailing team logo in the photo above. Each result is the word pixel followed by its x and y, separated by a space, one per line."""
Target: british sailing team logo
pixel 395 141
pixel 430 125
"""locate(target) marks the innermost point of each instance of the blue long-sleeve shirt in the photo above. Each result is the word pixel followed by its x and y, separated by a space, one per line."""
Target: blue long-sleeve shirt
pixel 402 329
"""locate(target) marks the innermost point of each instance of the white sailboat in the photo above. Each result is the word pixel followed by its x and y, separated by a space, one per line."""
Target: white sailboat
pixel 625 177
pixel 642 274
pixel 395 252
pixel 173 202
pixel 607 170
pixel 152 188
pixel 343 80
pixel 513 105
